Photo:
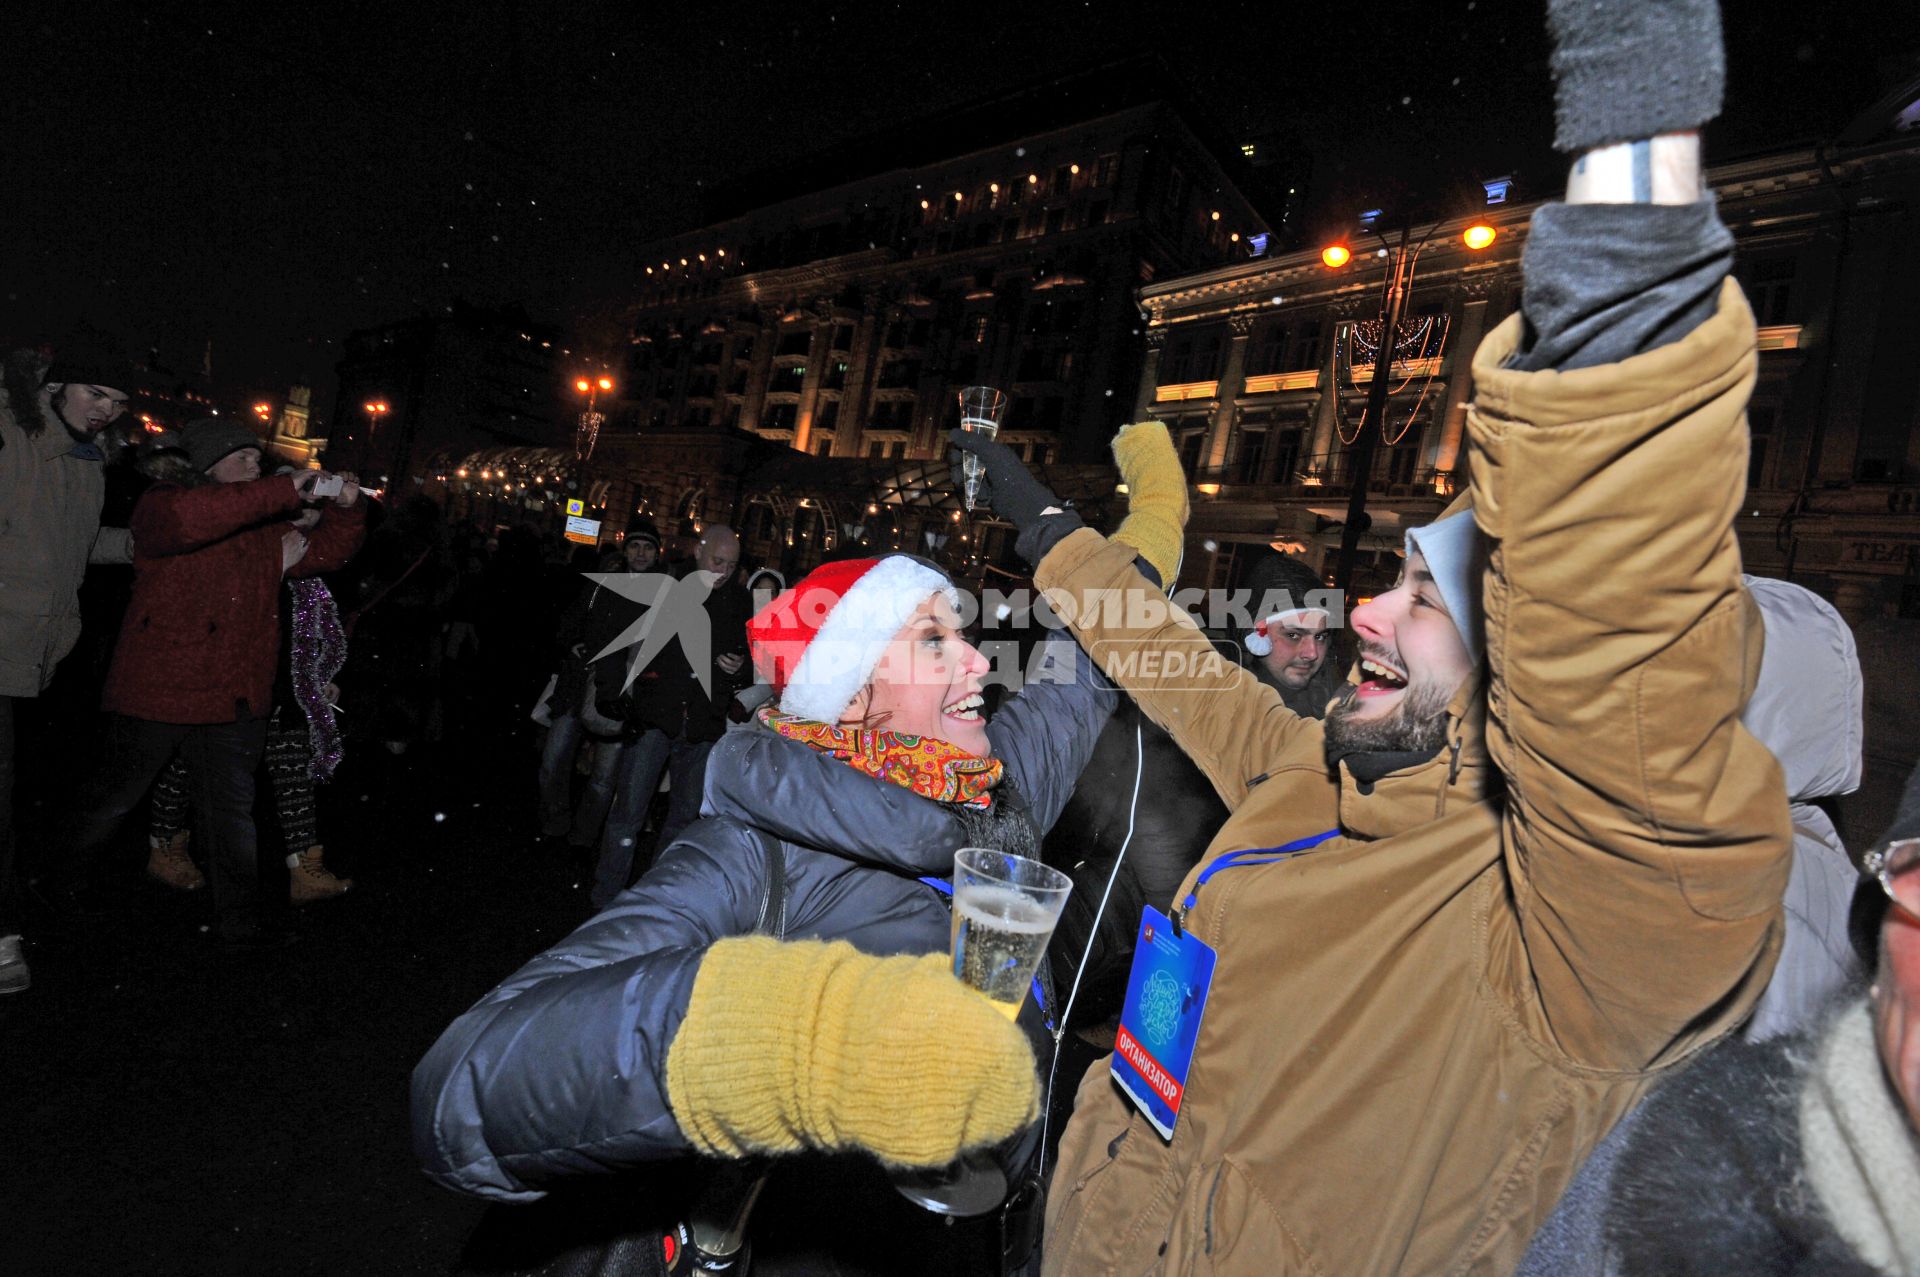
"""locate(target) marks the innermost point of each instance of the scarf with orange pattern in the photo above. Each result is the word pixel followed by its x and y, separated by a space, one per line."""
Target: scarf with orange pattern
pixel 930 767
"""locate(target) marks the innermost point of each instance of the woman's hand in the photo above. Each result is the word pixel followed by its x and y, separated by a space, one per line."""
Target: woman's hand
pixel 293 548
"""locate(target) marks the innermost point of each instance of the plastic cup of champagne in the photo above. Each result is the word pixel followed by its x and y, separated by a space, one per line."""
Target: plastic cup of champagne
pixel 1004 910
pixel 981 408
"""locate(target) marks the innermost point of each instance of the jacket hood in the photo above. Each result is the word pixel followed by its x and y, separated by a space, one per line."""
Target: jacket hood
pixel 1808 706
pixel 802 796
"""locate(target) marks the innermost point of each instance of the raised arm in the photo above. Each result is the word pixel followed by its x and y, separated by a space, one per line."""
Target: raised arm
pixel 1236 729
pixel 1648 836
pixel 175 520
pixel 334 540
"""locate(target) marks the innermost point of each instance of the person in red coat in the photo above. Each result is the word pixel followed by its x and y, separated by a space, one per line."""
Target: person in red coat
pixel 194 667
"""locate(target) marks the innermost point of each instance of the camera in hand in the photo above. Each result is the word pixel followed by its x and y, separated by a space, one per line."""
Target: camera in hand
pixel 328 485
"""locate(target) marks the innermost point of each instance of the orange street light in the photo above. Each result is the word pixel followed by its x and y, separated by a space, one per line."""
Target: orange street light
pixel 1478 236
pixel 1334 256
pixel 583 385
pixel 263 410
pixel 376 407
pixel 606 383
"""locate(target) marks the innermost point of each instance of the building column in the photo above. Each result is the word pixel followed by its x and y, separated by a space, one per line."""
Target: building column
pixel 1325 412
pixel 1443 445
pixel 850 436
pixel 755 400
pixel 810 384
pixel 1149 391
pixel 1227 393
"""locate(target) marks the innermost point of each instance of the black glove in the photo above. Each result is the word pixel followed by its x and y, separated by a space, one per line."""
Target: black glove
pixel 1625 70
pixel 1007 487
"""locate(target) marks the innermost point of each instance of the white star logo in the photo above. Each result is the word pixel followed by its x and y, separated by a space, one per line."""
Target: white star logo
pixel 676 609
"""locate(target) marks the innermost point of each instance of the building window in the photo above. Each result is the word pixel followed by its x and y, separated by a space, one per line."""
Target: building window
pixel 977 330
pixel 1760 422
pixel 827 415
pixel 796 340
pixel 1307 348
pixel 1268 352
pixel 822 445
pixel 780 418
pixel 1191 442
pixel 843 336
pixel 892 414
pixel 1105 169
pixel 1285 445
pixel 1251 456
pixel 1769 287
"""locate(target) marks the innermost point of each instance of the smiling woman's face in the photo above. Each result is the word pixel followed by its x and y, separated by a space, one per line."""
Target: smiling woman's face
pixel 927 683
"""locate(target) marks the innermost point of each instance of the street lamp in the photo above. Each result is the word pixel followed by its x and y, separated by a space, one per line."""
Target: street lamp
pixel 1403 258
pixel 592 419
pixel 376 410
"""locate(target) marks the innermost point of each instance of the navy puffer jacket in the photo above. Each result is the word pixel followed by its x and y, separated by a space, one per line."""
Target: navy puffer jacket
pixel 561 1070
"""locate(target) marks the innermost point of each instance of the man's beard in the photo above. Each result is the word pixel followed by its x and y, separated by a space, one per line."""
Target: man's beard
pixel 1418 724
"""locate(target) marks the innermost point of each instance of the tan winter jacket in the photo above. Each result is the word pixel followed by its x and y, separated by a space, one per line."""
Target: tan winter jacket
pixel 49 531
pixel 1417 1031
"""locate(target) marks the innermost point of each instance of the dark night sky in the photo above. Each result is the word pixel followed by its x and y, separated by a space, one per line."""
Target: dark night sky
pixel 270 177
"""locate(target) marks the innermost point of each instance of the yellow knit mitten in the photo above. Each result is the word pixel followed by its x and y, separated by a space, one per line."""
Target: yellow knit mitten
pixel 808 1044
pixel 1156 495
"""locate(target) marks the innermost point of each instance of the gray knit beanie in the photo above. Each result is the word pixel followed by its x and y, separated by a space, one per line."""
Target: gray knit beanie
pixel 209 439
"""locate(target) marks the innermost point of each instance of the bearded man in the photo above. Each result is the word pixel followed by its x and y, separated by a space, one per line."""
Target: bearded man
pixel 1533 861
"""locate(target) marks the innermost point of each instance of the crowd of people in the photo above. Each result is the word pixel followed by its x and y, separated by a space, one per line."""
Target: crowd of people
pixel 1555 847
pixel 1515 938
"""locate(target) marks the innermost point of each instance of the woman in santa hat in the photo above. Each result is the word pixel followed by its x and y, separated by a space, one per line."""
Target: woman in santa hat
pixel 777 983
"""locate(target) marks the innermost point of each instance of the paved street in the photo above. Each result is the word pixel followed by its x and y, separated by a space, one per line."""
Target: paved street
pixel 167 1110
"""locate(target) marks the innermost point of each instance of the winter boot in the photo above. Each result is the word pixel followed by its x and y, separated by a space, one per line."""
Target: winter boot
pixel 310 880
pixel 168 862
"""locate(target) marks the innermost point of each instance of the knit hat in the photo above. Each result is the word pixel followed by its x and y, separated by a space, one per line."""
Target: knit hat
pixel 89 357
pixel 818 643
pixel 209 439
pixel 1456 555
pixel 1272 574
pixel 641 528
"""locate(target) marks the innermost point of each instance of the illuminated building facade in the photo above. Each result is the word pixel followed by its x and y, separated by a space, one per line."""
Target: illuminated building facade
pixel 1260 370
pixel 837 324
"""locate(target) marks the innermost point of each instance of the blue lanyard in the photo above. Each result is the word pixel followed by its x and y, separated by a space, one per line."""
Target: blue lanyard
pixel 945 888
pixel 1250 856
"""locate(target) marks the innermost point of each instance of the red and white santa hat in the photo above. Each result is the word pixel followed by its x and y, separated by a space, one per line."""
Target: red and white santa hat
pixel 818 643
pixel 1260 640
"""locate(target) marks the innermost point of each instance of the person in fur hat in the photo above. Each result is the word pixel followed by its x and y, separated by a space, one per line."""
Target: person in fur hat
pixel 53 417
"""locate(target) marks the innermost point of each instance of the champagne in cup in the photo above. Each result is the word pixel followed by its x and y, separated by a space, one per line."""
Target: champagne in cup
pixel 981 408
pixel 1004 911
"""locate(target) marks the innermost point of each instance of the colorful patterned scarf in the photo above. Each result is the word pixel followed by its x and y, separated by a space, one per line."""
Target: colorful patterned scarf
pixel 928 766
